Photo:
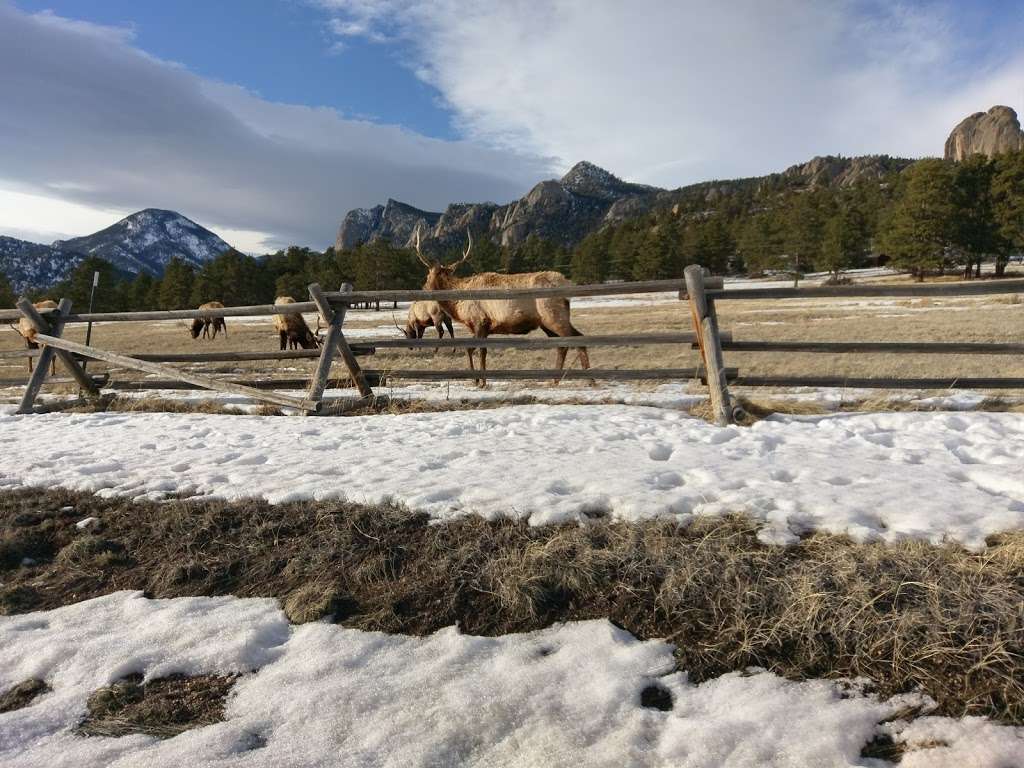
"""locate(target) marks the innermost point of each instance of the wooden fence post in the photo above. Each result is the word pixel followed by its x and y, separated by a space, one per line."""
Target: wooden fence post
pixel 705 326
pixel 334 341
pixel 35 381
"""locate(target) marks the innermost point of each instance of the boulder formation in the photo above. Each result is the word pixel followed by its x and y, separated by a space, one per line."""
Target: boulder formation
pixel 986 133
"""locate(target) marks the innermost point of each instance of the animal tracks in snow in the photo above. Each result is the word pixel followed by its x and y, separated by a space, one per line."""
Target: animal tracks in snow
pixel 874 475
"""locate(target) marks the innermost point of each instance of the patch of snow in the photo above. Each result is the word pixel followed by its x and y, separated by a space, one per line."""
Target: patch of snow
pixel 321 694
pixel 844 473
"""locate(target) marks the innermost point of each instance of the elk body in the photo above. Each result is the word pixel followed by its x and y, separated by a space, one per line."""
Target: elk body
pixel 427 314
pixel 203 324
pixel 28 331
pixel 516 316
pixel 292 328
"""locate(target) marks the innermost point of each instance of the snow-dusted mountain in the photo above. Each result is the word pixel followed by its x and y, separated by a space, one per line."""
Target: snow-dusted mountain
pixel 143 242
pixel 33 265
pixel 146 241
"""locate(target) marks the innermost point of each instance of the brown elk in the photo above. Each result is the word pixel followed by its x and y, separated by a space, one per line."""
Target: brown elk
pixel 28 331
pixel 517 316
pixel 203 324
pixel 292 328
pixel 427 314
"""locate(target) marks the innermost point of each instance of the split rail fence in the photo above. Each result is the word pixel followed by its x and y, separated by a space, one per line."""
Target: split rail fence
pixel 698 288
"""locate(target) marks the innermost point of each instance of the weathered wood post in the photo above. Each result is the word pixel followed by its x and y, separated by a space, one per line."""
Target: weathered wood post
pixel 334 341
pixel 705 326
pixel 55 329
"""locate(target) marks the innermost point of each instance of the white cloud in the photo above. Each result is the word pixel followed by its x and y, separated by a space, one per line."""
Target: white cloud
pixel 90 123
pixel 669 92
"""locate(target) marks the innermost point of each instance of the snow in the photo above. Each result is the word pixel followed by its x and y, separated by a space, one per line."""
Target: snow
pixel 890 476
pixel 321 694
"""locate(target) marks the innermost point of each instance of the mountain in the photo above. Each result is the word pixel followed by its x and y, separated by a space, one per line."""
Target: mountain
pixel 584 200
pixel 146 241
pixel 986 133
pixel 563 210
pixel 33 265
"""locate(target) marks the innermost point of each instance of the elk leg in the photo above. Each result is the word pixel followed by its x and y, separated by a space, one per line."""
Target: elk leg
pixel 560 361
pixel 284 339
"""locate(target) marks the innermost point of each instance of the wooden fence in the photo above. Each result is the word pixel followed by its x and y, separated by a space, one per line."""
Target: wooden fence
pixel 700 290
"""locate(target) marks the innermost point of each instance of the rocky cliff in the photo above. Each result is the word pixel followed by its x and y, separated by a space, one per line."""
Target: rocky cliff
pixel 985 133
pixel 563 210
pixel 585 199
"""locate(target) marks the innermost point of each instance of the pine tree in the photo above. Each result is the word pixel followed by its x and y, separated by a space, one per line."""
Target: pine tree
pixel 1008 204
pixel 176 285
pixel 758 245
pixel 920 230
pixel 844 243
pixel 977 233
pixel 7 297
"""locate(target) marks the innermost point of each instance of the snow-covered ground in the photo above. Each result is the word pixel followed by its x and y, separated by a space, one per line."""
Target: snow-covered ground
pixel 932 476
pixel 321 694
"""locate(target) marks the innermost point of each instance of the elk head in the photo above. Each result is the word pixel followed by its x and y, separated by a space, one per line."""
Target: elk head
pixel 439 276
pixel 196 328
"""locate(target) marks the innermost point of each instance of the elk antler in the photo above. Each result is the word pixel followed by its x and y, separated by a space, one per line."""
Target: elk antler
pixel 465 254
pixel 419 253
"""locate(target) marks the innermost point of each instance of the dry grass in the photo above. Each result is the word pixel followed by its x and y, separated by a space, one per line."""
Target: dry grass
pixel 22 695
pixel 908 616
pixel 163 708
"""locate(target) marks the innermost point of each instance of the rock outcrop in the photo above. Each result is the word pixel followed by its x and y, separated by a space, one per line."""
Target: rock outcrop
pixel 832 171
pixel 562 210
pixel 986 133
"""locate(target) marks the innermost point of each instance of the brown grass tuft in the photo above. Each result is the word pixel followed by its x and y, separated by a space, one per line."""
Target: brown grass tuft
pixel 162 708
pixel 910 616
pixel 22 695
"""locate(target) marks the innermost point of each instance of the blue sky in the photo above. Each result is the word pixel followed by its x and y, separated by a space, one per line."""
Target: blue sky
pixel 267 120
pixel 279 48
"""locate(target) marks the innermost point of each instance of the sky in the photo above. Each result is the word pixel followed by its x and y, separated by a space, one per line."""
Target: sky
pixel 267 121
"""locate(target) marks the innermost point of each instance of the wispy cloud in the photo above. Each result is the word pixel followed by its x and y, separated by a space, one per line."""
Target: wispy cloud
pixel 91 120
pixel 671 92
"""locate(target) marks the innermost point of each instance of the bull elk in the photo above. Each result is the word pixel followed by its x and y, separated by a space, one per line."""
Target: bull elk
pixel 203 324
pixel 27 331
pixel 292 329
pixel 516 316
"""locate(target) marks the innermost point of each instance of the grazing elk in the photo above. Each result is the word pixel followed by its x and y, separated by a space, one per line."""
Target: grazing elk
pixel 519 316
pixel 427 314
pixel 292 328
pixel 28 331
pixel 204 323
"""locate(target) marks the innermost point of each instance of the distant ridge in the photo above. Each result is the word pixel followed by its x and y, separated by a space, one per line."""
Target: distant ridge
pixel 145 241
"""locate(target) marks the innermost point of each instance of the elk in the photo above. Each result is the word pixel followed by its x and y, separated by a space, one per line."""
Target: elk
pixel 27 331
pixel 427 314
pixel 517 316
pixel 204 323
pixel 292 328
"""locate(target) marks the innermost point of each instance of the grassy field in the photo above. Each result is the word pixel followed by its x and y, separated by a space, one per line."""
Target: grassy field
pixel 965 319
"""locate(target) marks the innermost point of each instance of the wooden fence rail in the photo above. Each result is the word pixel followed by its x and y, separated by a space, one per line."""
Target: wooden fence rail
pixel 699 289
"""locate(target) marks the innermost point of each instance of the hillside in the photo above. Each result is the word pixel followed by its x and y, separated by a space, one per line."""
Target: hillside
pixel 147 240
pixel 30 265
pixel 584 200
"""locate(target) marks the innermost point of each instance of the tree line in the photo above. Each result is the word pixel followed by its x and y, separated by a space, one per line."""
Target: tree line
pixel 934 216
